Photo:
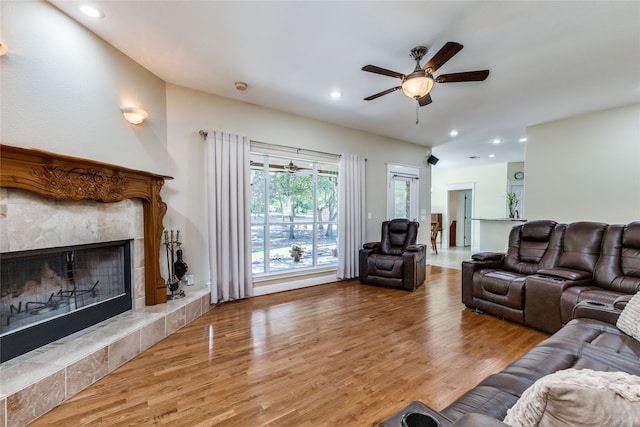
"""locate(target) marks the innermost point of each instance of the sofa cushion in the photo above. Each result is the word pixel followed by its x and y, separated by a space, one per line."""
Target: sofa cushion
pixel 579 397
pixel 500 287
pixel 385 265
pixel 630 262
pixel 533 245
pixel 629 320
pixel 581 246
pixel 618 268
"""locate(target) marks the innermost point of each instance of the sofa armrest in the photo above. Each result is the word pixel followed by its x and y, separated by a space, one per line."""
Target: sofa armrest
pixel 468 270
pixel 487 256
pixel 363 263
pixel 414 266
pixel 596 310
pixel 621 302
pixel 475 420
pixel 372 245
pixel 565 273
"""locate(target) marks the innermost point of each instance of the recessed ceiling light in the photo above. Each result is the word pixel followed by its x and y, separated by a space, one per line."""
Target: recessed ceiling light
pixel 335 94
pixel 453 133
pixel 523 139
pixel 92 11
pixel 492 155
pixel 497 141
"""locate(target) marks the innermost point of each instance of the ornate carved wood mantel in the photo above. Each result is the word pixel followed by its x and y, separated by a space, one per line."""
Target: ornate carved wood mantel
pixel 70 178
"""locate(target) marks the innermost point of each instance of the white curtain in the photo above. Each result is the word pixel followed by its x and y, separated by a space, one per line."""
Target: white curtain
pixel 351 215
pixel 228 192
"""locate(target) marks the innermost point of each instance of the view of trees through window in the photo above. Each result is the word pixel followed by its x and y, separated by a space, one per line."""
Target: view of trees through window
pixel 294 213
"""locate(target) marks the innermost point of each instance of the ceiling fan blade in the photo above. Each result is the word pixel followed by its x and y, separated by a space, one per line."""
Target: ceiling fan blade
pixel 444 54
pixel 468 76
pixel 425 100
pixel 384 92
pixel 383 71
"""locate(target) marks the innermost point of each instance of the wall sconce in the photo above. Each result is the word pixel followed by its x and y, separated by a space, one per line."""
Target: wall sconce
pixel 3 49
pixel 134 115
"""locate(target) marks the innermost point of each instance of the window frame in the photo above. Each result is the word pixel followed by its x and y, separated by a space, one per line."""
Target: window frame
pixel 267 222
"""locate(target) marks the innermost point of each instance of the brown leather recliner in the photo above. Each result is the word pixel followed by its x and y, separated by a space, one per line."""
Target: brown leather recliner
pixel 396 261
pixel 494 283
pixel 545 291
pixel 604 266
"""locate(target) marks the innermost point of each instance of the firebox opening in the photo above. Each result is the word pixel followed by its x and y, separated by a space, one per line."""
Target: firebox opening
pixel 47 294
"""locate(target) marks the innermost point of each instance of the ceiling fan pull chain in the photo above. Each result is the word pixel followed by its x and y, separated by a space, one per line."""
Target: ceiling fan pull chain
pixel 417 112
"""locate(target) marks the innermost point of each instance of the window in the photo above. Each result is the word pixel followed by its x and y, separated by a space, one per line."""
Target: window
pixel 294 213
pixel 402 194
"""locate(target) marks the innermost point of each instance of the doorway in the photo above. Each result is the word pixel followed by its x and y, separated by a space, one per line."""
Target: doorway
pixel 465 199
pixel 459 209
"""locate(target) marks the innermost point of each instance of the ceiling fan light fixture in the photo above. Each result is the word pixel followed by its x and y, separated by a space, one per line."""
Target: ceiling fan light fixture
pixel 417 84
pixel 291 167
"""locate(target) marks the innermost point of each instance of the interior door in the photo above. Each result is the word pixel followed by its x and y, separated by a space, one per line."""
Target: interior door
pixel 467 217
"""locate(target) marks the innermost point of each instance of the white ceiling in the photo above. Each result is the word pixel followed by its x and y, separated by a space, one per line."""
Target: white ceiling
pixel 548 61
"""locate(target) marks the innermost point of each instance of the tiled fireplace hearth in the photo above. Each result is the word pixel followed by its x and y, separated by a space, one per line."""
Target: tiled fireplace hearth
pixel 65 213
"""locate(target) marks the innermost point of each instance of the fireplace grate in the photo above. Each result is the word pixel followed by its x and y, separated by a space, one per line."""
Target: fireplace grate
pixel 50 293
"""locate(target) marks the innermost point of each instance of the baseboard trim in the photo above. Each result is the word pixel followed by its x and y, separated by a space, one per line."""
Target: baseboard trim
pixel 294 284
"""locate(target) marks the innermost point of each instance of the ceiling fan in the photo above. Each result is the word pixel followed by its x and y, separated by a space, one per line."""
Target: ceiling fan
pixel 290 167
pixel 419 83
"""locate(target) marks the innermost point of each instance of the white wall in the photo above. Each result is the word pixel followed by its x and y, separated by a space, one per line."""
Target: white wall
pixel 489 197
pixel 190 111
pixel 585 168
pixel 62 88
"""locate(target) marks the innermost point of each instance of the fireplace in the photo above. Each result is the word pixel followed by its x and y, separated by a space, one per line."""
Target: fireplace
pixel 86 246
pixel 47 294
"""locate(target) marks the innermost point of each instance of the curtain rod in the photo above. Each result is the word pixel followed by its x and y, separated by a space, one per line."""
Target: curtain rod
pixel 397 175
pixel 204 134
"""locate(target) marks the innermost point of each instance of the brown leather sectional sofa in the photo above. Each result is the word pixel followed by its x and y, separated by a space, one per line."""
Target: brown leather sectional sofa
pixel 589 341
pixel 549 268
pixel 581 274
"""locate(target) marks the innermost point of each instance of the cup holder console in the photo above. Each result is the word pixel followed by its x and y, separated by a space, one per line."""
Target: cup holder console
pixel 598 304
pixel 418 419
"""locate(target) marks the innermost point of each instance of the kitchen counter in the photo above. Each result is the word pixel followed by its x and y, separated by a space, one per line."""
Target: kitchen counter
pixel 494 233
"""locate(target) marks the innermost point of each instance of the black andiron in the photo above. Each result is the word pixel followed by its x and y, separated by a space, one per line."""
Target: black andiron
pixel 175 265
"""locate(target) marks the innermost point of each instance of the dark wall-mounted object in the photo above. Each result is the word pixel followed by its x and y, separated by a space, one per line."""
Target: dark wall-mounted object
pixel 432 160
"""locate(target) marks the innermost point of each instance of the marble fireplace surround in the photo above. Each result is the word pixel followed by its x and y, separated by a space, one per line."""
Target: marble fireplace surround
pixel 36 382
pixel 69 178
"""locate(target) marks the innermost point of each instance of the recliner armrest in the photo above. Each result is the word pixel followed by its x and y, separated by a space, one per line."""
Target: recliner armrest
pixel 474 420
pixel 415 248
pixel 565 273
pixel 596 310
pixel 621 302
pixel 372 245
pixel 487 256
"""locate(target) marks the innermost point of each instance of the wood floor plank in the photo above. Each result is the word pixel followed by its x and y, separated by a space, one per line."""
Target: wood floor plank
pixel 336 354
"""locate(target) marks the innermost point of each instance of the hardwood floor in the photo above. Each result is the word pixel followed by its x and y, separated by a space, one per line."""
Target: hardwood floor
pixel 330 355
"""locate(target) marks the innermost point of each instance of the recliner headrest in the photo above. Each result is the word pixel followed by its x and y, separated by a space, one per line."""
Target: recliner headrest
pixel 399 225
pixel 539 230
pixel 631 235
